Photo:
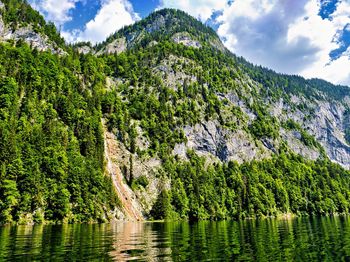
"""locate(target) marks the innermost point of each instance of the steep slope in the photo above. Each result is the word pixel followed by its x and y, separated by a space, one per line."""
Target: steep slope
pixel 167 24
pixel 319 108
pixel 51 137
pixel 19 21
pixel 130 206
pixel 192 131
pixel 208 116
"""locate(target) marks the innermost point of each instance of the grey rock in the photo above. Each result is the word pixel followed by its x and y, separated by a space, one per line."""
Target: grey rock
pixel 27 34
pixel 117 46
pixel 185 39
pixel 210 139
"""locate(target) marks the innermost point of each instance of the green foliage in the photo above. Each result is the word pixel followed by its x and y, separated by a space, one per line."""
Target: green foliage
pixel 175 21
pixel 264 126
pixel 280 85
pixel 51 137
pixel 284 184
pixel 141 181
pixel 162 207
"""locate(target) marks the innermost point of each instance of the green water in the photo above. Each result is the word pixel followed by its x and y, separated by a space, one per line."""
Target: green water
pixel 300 239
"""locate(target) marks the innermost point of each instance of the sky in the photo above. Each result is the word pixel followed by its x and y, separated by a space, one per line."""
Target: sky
pixel 305 37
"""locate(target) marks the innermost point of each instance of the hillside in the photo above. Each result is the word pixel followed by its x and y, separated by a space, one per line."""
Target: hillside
pixel 51 138
pixel 196 132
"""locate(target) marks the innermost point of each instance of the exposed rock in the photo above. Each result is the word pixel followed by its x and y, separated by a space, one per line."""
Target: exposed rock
pixel 185 39
pixel 213 141
pixel 152 43
pixel 122 164
pixel 234 99
pixel 85 50
pixel 117 46
pixel 216 43
pixel 172 78
pixel 292 137
pixel 130 205
pixel 322 119
pixel 156 25
pixel 27 34
pixel 141 141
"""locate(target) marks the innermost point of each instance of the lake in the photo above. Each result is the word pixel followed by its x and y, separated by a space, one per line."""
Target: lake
pixel 298 239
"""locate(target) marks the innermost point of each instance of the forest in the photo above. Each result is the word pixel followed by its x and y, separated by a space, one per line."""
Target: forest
pixel 52 165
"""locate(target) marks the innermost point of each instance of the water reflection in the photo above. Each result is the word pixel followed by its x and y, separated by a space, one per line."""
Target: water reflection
pixel 140 241
pixel 314 239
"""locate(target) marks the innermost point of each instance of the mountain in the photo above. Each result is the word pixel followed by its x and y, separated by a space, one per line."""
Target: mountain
pixel 20 22
pixel 161 121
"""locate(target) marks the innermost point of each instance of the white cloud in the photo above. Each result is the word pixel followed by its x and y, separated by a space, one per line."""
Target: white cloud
pixel 324 34
pixel 113 15
pixel 288 36
pixel 54 11
pixel 202 9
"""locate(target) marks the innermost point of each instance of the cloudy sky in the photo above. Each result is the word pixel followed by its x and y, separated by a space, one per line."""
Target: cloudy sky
pixel 306 37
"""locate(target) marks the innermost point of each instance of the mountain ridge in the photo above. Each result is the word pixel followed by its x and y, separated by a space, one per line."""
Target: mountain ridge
pixel 197 133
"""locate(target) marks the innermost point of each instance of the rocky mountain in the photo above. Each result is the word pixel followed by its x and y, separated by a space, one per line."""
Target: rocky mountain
pixel 190 94
pixel 163 25
pixel 318 108
pixel 17 23
pixel 160 121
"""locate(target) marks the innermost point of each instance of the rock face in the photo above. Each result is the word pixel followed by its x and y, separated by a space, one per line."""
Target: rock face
pixel 327 121
pixel 85 50
pixel 174 77
pixel 210 139
pixel 121 166
pixel 27 34
pixel 130 205
pixel 293 137
pixel 117 46
pixel 185 39
pixel 166 24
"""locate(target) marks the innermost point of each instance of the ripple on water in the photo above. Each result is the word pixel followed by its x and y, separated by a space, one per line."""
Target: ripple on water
pixel 303 239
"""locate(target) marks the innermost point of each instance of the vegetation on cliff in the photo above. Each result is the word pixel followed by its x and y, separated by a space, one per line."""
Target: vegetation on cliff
pixel 51 136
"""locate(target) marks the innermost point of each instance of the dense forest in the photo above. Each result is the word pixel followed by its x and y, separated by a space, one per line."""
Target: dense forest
pixel 51 138
pixel 51 134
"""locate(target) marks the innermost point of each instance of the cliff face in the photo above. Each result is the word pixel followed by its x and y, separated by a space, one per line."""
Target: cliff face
pixel 319 115
pixel 27 34
pixel 326 120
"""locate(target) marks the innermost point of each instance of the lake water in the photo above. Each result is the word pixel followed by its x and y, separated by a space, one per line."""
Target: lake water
pixel 299 239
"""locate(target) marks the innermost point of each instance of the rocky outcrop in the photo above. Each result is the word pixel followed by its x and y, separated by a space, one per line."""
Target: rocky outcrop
pixel 156 25
pixel 117 46
pixel 28 35
pixel 185 39
pixel 211 140
pixel 293 140
pixel 168 24
pixel 174 77
pixel 85 49
pixel 123 167
pixel 325 120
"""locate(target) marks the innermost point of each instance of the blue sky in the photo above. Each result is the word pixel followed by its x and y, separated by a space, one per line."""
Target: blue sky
pixel 306 37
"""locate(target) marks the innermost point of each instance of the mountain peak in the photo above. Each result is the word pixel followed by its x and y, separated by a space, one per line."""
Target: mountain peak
pixel 162 25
